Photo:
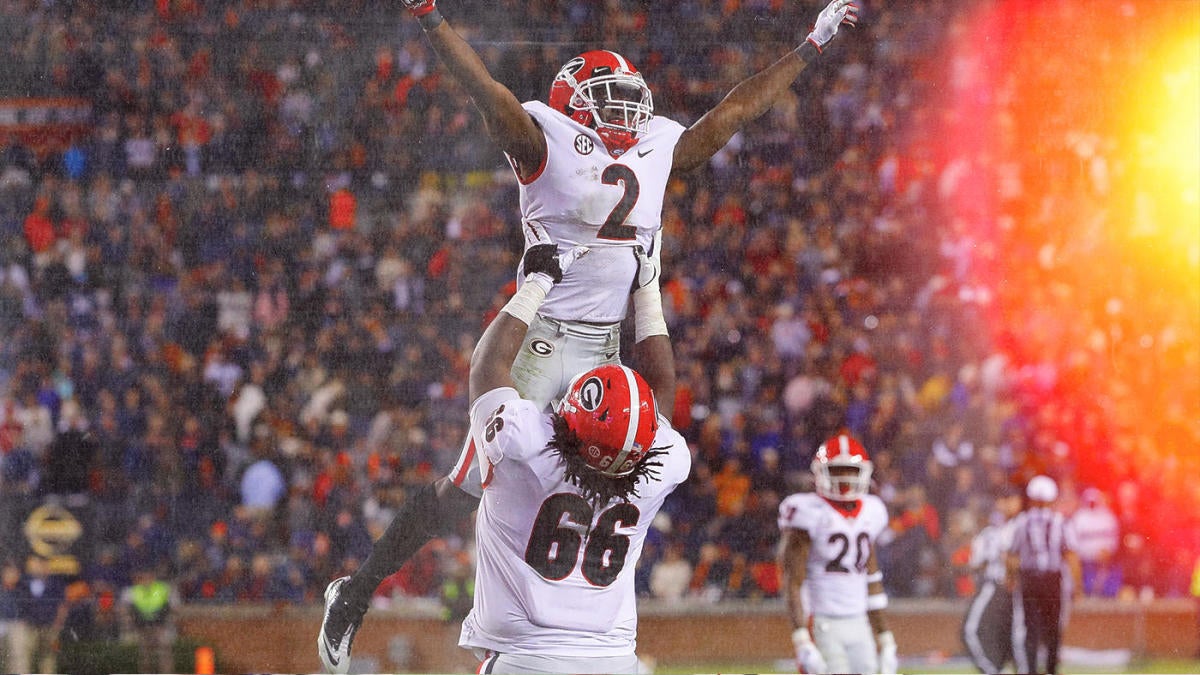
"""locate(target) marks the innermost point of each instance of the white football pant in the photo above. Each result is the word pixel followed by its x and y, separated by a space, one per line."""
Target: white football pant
pixel 846 642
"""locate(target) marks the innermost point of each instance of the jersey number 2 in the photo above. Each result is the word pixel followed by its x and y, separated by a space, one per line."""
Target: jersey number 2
pixel 556 539
pixel 614 226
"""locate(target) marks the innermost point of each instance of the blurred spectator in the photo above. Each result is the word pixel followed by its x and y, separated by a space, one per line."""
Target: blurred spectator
pixel 149 605
pixel 733 486
pixel 70 456
pixel 713 573
pixel 917 532
pixel 671 575
pixel 458 589
pixel 10 612
pixel 1099 535
pixel 262 484
pixel 89 622
pixel 33 640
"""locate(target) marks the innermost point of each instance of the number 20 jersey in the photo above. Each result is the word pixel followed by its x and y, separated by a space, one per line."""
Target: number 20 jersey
pixel 840 545
pixel 554 575
pixel 584 196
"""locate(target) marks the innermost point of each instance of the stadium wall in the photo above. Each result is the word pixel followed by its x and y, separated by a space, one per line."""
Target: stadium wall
pixel 262 638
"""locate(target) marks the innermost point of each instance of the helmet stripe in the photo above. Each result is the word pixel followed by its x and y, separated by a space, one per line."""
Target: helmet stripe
pixel 635 413
pixel 621 60
pixel 843 445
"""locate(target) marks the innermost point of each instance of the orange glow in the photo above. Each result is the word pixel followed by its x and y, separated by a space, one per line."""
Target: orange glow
pixel 1078 122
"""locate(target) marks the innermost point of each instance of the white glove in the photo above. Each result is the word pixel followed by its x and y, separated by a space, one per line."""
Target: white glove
pixel 834 15
pixel 808 657
pixel 889 663
pixel 647 268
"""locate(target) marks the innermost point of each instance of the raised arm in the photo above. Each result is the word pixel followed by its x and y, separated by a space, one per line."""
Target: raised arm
pixel 510 127
pixel 754 95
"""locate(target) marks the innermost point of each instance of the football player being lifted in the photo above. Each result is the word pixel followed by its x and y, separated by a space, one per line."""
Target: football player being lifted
pixel 831 579
pixel 592 163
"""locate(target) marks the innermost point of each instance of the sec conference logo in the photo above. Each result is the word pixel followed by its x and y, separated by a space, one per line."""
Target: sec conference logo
pixel 584 145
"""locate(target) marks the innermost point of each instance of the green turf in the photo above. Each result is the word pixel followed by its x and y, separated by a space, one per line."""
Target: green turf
pixel 1148 666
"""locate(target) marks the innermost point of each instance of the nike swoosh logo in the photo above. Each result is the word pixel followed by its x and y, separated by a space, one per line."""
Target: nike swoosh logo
pixel 609 355
pixel 643 154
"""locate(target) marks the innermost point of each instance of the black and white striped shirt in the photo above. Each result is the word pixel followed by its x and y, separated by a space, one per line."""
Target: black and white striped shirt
pixel 988 551
pixel 1040 537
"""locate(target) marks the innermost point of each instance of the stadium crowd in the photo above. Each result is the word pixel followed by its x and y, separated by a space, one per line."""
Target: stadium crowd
pixel 236 315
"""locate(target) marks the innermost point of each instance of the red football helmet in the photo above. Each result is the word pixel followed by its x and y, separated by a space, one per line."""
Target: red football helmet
pixel 842 452
pixel 601 90
pixel 612 411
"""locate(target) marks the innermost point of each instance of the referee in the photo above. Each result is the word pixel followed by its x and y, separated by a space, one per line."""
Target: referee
pixel 1042 545
pixel 988 626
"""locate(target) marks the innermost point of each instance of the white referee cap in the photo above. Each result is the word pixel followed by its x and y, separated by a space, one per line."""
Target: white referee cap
pixel 1042 489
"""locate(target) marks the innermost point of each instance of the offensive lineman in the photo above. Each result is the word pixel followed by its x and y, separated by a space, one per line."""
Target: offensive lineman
pixel 568 497
pixel 831 579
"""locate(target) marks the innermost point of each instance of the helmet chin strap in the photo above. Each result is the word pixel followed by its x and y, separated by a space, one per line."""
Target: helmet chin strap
pixel 617 142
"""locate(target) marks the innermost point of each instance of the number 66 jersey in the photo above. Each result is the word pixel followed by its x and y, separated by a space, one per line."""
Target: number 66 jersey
pixel 554 574
pixel 841 542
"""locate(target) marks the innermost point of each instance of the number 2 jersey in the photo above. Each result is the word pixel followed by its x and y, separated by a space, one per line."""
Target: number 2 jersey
pixel 841 543
pixel 554 575
pixel 584 196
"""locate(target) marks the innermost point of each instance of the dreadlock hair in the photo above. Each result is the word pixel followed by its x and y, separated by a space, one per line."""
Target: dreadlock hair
pixel 594 486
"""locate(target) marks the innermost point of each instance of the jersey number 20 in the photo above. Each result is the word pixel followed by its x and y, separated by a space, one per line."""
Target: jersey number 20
pixel 858 560
pixel 556 540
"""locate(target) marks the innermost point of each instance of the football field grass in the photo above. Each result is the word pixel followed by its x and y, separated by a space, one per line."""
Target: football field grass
pixel 945 668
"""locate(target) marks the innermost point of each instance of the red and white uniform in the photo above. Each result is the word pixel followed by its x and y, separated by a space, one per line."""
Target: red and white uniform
pixel 583 196
pixel 836 574
pixel 573 195
pixel 554 575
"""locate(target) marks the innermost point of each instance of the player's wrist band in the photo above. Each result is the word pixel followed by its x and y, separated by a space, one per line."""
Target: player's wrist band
pixel 648 318
pixel 525 302
pixel 877 576
pixel 877 601
pixel 431 19
pixel 808 51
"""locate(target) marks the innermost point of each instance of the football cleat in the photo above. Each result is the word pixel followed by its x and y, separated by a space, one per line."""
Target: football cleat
pixel 338 628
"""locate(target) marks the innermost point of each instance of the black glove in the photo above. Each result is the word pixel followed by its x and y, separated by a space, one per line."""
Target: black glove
pixel 543 258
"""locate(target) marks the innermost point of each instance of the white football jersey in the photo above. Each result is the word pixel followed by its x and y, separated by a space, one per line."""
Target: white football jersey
pixel 554 575
pixel 583 196
pixel 841 544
